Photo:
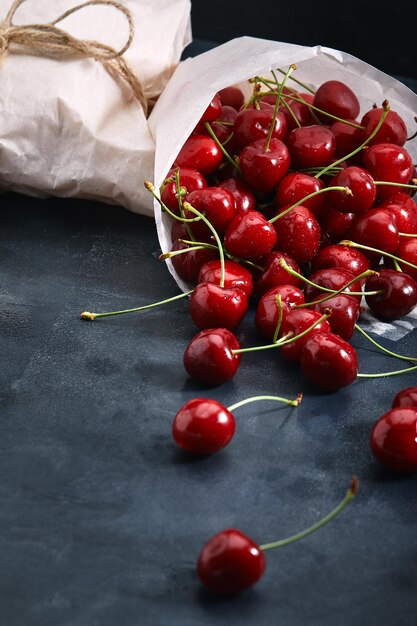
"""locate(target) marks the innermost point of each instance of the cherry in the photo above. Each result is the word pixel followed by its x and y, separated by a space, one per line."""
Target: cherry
pixel 338 99
pixel 274 274
pixel 388 162
pixel 253 124
pixel 203 426
pixel 232 97
pixel 345 313
pixel 263 167
pixel 376 228
pixel 189 179
pixel 210 358
pixel 405 215
pixel 362 186
pixel 201 153
pixel 333 278
pixel 398 294
pixel 213 110
pixel 405 397
pixel 296 322
pixel 393 129
pixel 329 361
pixel 235 276
pixel 348 137
pixel 213 306
pixel 340 256
pixel 298 234
pixel 245 200
pixel 249 235
pixel 222 131
pixel 188 264
pixel 407 250
pixel 311 146
pixel 336 224
pixel 268 312
pixel 394 441
pixel 399 197
pixel 216 204
pixel 295 186
pixel 298 110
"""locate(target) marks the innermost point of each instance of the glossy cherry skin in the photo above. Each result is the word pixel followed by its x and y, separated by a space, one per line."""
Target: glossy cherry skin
pixel 345 314
pixel 336 224
pixel 188 264
pixel 235 276
pixel 331 278
pixel 297 185
pixel 249 235
pixel 230 562
pixel 336 98
pixel 253 124
pixel 398 297
pixel 311 146
pixel 376 228
pixel 405 214
pixel 298 234
pixel 394 441
pixel 362 186
pixel 388 162
pixel 336 255
pixel 213 110
pixel 212 306
pixel 201 153
pixel 203 426
pixel 222 131
pixel 329 361
pixel 190 180
pixel 393 129
pixel 347 137
pixel 297 321
pixel 209 356
pixel 245 199
pixel 274 274
pixel 407 250
pixel 267 311
pixel 299 110
pixel 232 97
pixel 216 204
pixel 263 169
pixel 405 397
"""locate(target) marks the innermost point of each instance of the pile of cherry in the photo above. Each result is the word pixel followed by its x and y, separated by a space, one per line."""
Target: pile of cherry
pixel 291 200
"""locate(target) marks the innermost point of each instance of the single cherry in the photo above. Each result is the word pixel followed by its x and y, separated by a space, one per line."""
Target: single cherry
pixel 331 278
pixel 387 162
pixel 263 167
pixel 189 179
pixel 203 426
pixel 216 204
pixel 253 124
pixel 296 322
pixel 268 311
pixel 394 441
pixel 345 313
pixel 393 129
pixel 329 361
pixel 201 153
pixel 336 98
pixel 249 235
pixel 405 397
pixel 362 186
pixel 335 255
pixel 232 97
pixel 297 185
pixel 274 274
pixel 235 275
pixel 407 250
pixel 212 306
pixel 210 358
pixel 298 234
pixel 336 224
pixel 245 199
pixel 376 228
pixel 348 137
pixel 311 146
pixel 398 295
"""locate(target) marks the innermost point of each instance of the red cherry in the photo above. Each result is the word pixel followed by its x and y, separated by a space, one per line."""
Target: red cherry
pixel 232 97
pixel 362 186
pixel 348 137
pixel 345 313
pixel 405 397
pixel 393 129
pixel 335 255
pixel 407 250
pixel 295 186
pixel 190 180
pixel 264 168
pixel 249 235
pixel 200 152
pixel 390 163
pixel 230 562
pixel 296 322
pixel 274 274
pixel 209 356
pixel 222 131
pixel 242 194
pixel 400 197
pixel 336 98
pixel 336 224
pixel 213 110
pixel 267 311
pixel 299 110
pixel 235 276
pixel 405 214
pixel 394 441
pixel 203 426
pixel 311 146
pixel 376 228
pixel 330 278
pixel 253 124
pixel 213 306
pixel 329 361
pixel 188 264
pixel 298 234
pixel 398 297
pixel 216 204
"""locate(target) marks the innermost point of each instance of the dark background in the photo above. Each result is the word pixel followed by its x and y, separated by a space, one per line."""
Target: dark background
pixel 382 34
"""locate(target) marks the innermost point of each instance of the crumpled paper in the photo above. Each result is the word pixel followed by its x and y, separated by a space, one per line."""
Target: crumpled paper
pixel 67 128
pixel 196 81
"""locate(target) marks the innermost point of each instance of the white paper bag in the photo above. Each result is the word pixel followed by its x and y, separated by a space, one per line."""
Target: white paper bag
pixel 67 128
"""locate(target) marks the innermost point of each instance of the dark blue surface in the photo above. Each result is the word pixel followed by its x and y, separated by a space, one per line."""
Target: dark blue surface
pixel 102 518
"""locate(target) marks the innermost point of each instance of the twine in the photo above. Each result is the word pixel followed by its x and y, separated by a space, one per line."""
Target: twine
pixel 50 41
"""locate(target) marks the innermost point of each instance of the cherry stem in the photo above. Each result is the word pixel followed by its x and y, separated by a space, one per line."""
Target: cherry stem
pixel 92 316
pixel 408 234
pixel 393 184
pixel 191 248
pixel 345 190
pixel 222 148
pixel 295 402
pixel 312 529
pixel 353 244
pixel 378 345
pixel 404 371
pixel 180 203
pixel 288 338
pixel 298 81
pixel 386 109
pixel 164 207
pixel 188 207
pixel 280 314
pixel 277 102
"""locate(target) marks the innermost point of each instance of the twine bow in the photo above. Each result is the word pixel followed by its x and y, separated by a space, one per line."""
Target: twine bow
pixel 50 41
